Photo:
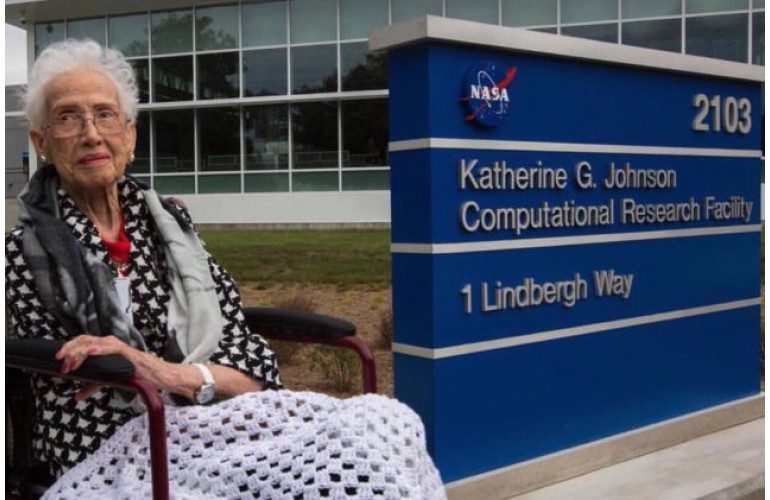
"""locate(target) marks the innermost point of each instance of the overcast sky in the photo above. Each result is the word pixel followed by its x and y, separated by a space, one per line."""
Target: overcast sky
pixel 15 55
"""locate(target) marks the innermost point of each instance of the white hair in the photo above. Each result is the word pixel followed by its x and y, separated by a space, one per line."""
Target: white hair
pixel 73 54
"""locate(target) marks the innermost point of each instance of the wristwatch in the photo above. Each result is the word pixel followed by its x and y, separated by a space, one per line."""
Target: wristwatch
pixel 206 392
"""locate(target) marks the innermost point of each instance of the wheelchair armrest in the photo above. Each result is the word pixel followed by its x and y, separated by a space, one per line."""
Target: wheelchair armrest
pixel 39 355
pixel 288 324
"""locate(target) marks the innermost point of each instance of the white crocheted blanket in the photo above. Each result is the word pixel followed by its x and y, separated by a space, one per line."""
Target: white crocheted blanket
pixel 272 444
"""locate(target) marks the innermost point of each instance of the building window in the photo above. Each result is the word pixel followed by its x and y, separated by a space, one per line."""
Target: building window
pixel 177 184
pixel 266 137
pixel 128 34
pixel 722 37
pixel 529 12
pixel 171 32
pixel 481 11
pixel 216 27
pixel 314 135
pixel 315 181
pixel 263 23
pixel 266 183
pixel 264 72
pixel 174 142
pixel 366 180
pixel 218 76
pixel 141 164
pixel 92 29
pixel 313 20
pixel 702 6
pixel 581 11
pixel 635 9
pixel 408 9
pixel 361 69
pixel 209 184
pixel 172 79
pixel 601 32
pixel 46 34
pixel 758 38
pixel 313 69
pixel 358 17
pixel 142 75
pixel 218 139
pixel 365 133
pixel 661 34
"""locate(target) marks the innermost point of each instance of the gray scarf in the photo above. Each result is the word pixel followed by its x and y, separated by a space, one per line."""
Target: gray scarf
pixel 78 289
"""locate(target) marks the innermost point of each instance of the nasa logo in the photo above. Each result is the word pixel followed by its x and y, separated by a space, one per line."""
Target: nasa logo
pixel 485 93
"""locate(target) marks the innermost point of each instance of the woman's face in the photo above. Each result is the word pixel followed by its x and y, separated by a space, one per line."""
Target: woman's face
pixel 89 160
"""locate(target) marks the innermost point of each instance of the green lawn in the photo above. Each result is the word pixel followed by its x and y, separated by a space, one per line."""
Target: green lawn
pixel 336 257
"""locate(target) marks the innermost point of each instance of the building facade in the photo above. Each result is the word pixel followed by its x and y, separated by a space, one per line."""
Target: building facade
pixel 275 111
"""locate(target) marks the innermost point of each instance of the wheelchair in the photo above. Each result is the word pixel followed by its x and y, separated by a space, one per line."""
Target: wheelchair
pixel 23 481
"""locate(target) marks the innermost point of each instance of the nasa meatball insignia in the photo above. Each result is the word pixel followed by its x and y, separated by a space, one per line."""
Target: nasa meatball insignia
pixel 486 93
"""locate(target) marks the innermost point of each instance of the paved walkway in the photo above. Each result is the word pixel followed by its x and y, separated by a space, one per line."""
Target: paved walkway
pixel 720 466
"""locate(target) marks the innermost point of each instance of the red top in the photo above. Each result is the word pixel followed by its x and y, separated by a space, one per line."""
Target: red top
pixel 120 249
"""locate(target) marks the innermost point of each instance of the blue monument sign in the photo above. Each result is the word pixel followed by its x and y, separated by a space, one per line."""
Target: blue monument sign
pixel 576 237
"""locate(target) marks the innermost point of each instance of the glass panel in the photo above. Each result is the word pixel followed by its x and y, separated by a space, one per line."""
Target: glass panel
pixel 142 75
pixel 171 31
pixel 266 183
pixel 357 181
pixel 264 72
pixel 553 31
pixel 758 38
pixel 314 69
pixel 361 69
pixel 579 11
pixel 313 20
pixel 634 9
pixel 358 17
pixel 174 142
pixel 219 139
pixel 722 37
pixel 183 184
pixel 758 4
pixel 482 11
pixel 216 27
pixel 263 23
pixel 600 32
pixel 365 133
pixel 663 34
pixel 697 6
pixel 46 34
pixel 266 137
pixel 407 9
pixel 142 150
pixel 172 79
pixel 218 76
pixel 314 181
pixel 144 179
pixel 87 28
pixel 219 184
pixel 529 12
pixel 128 34
pixel 314 135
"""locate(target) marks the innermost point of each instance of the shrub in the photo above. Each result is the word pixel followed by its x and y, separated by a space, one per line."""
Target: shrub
pixel 385 328
pixel 340 366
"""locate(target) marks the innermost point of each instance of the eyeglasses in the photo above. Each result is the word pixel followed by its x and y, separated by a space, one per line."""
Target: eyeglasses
pixel 68 125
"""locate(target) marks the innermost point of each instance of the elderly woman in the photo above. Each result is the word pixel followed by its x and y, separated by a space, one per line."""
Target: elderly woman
pixel 104 264
pixel 173 311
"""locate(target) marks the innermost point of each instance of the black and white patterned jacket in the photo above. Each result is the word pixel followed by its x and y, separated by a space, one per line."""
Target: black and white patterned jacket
pixel 65 433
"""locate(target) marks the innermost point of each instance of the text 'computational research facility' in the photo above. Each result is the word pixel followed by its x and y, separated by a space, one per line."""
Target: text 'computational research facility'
pixel 276 112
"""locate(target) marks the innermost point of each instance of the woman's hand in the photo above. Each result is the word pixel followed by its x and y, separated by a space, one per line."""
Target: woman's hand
pixel 178 378
pixel 160 374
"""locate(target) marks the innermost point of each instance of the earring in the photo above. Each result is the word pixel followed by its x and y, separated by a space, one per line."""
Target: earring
pixel 43 158
pixel 131 157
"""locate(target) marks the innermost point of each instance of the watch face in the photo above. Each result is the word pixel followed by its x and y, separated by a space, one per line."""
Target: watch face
pixel 205 394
